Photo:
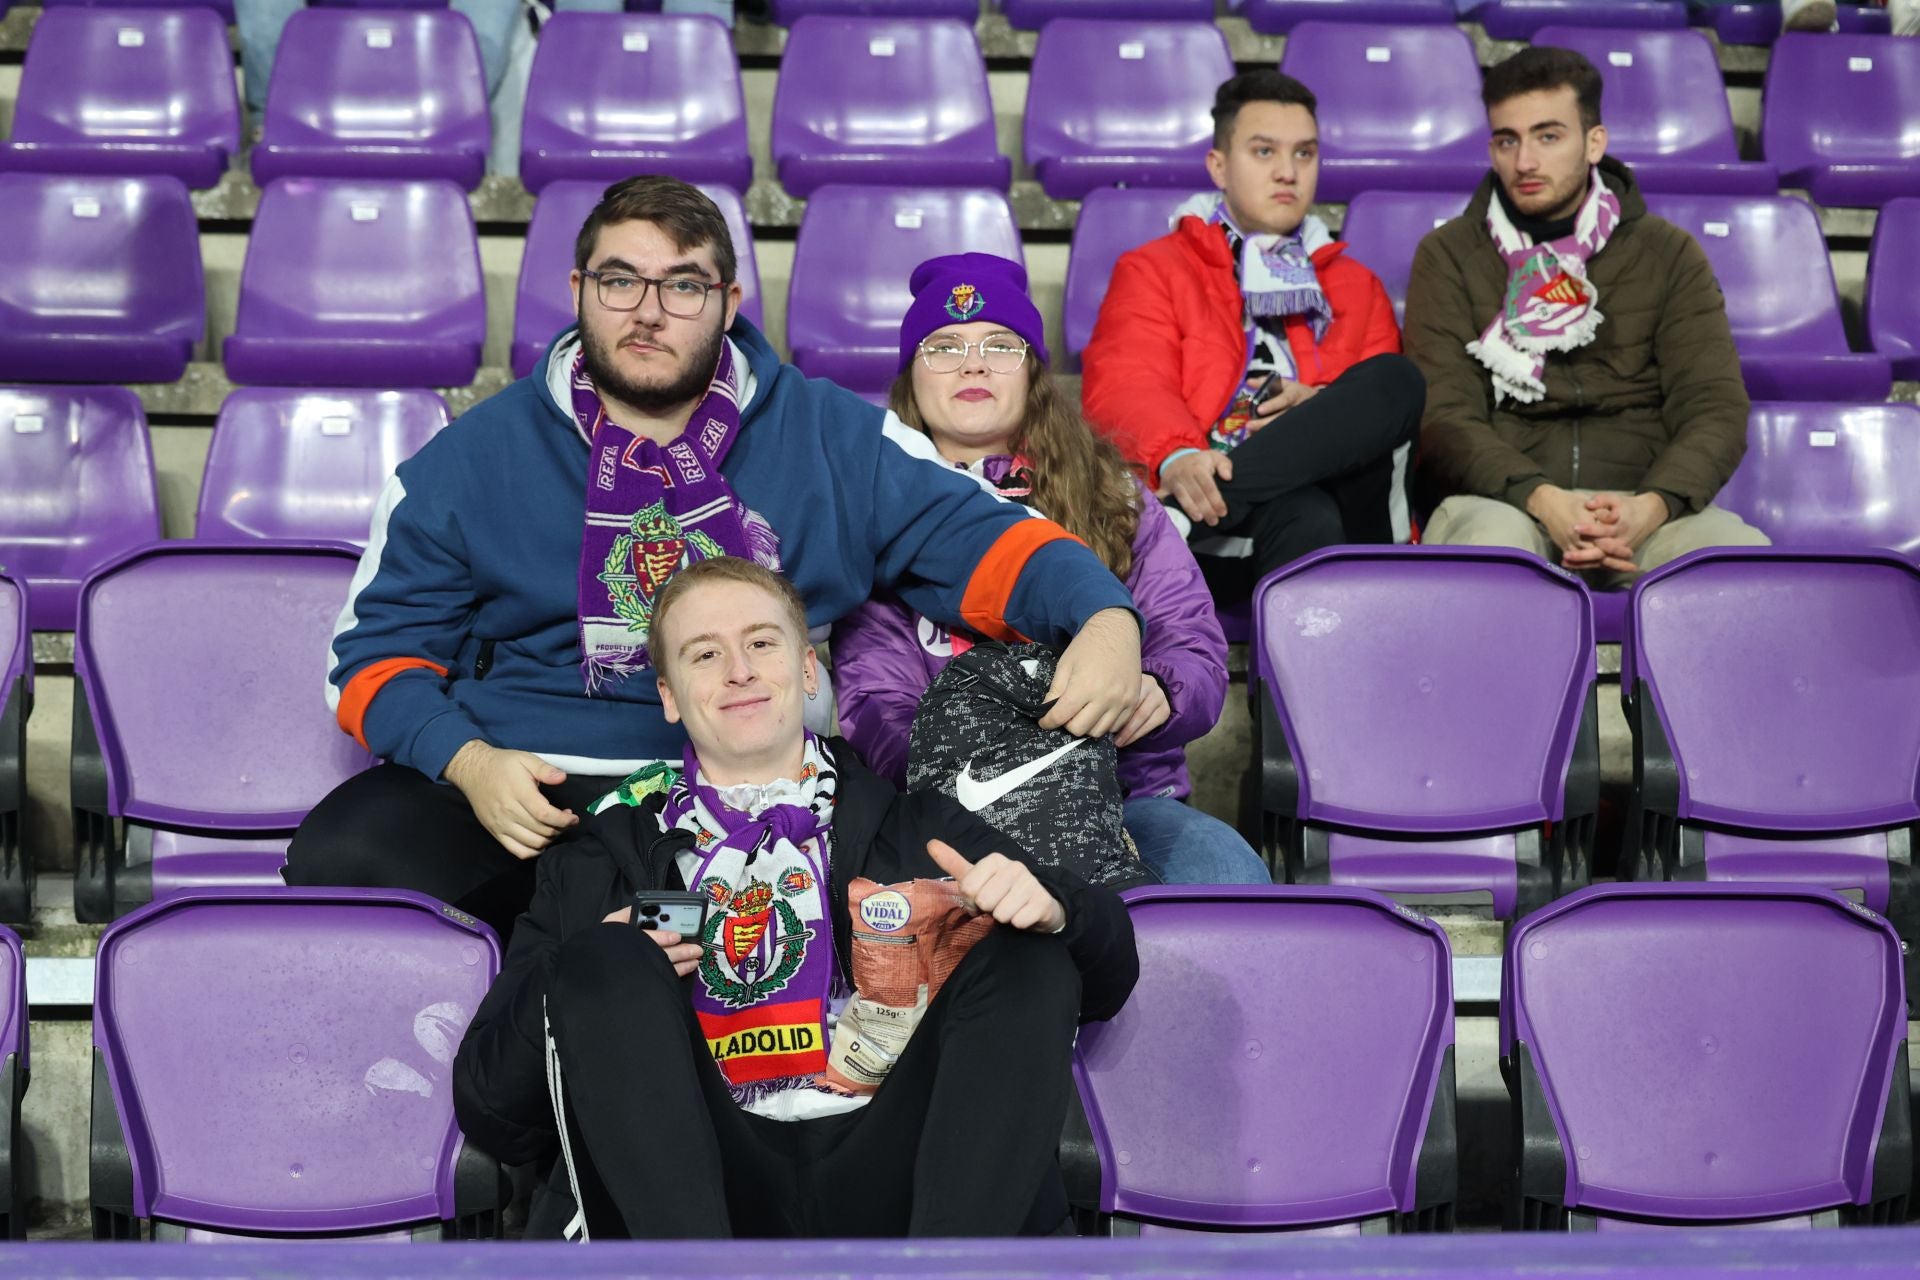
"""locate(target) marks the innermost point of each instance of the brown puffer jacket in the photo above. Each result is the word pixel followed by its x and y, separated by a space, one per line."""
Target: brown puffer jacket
pixel 1653 404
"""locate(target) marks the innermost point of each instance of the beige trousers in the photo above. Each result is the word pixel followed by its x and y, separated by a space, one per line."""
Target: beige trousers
pixel 1464 521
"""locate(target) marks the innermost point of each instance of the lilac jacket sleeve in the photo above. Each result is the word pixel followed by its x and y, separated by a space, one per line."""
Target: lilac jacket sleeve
pixel 879 673
pixel 1184 646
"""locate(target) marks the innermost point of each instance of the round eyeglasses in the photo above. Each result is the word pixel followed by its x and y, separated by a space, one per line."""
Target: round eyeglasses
pixel 680 296
pixel 1000 352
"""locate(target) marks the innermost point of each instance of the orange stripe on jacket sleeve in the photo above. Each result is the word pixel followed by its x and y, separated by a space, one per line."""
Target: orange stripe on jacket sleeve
pixel 984 606
pixel 369 680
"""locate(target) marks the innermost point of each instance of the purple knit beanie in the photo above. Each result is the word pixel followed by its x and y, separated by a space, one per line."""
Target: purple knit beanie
pixel 963 287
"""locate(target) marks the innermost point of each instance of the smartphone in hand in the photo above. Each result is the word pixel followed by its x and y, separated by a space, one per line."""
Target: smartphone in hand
pixel 671 911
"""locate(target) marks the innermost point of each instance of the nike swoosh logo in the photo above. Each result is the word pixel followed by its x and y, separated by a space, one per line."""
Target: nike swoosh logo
pixel 975 795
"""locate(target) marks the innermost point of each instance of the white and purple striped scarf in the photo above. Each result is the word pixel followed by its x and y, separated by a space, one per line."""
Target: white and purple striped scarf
pixel 1276 273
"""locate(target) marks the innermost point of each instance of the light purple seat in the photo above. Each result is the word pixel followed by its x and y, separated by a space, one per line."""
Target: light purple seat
pixel 100 281
pixel 543 307
pixel 127 92
pixel 1863 20
pixel 376 95
pixel 1891 311
pixel 1695 1055
pixel 894 101
pixel 1384 228
pixel 360 284
pixel 76 490
pixel 1280 16
pixel 1426 723
pixel 1399 106
pixel 1741 23
pixel 1031 15
pixel 279 1062
pixel 308 464
pixel 1831 475
pixel 222 7
pixel 1666 108
pixel 858 246
pixel 613 95
pixel 788 12
pixel 13 1085
pixel 379 4
pixel 1114 102
pixel 1524 19
pixel 1841 117
pixel 1771 260
pixel 1774 700
pixel 16 869
pixel 1112 220
pixel 1285 1063
pixel 192 726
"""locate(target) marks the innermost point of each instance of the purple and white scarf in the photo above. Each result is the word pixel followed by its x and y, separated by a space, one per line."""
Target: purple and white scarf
pixel 1276 273
pixel 1550 305
pixel 651 511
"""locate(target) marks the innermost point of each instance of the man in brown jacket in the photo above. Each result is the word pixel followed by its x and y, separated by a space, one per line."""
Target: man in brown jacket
pixel 1584 399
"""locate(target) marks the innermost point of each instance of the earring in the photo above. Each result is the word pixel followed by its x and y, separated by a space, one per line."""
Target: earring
pixel 812 694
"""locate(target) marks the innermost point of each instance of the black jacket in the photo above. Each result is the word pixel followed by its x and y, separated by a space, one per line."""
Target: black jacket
pixel 499 1082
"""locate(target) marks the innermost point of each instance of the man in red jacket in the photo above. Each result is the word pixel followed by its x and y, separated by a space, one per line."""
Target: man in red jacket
pixel 1247 315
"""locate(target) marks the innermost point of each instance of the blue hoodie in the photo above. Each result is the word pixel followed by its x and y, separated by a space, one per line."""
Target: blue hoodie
pixel 474 558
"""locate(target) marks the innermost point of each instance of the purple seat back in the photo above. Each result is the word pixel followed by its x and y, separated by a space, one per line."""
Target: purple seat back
pixel 13 1000
pixel 76 489
pixel 308 464
pixel 543 307
pixel 895 101
pixel 1123 102
pixel 858 246
pixel 16 638
pixel 1733 1062
pixel 613 95
pixel 1841 117
pixel 127 91
pixel 1771 260
pixel 788 12
pixel 1384 228
pixel 1280 16
pixel 100 281
pixel 376 95
pixel 1399 106
pixel 1112 220
pixel 1525 19
pixel 1278 1062
pixel 280 1061
pixel 1891 310
pixel 1741 22
pixel 1830 475
pixel 1031 15
pixel 222 7
pixel 360 284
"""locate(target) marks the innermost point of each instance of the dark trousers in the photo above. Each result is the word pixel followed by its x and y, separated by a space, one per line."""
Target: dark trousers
pixel 1321 473
pixel 393 827
pixel 960 1140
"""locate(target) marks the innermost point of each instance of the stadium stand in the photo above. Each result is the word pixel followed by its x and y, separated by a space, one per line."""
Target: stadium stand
pixel 1281 16
pixel 1031 15
pixel 1336 1000
pixel 1683 1055
pixel 279 1064
pixel 127 92
pixel 1840 116
pixel 1112 220
pixel 1384 228
pixel 308 465
pixel 13 1084
pixel 1831 475
pixel 100 281
pixel 1426 723
pixel 181 782
pixel 16 704
pixel 76 490
pixel 1890 312
pixel 1118 103
pixel 1523 19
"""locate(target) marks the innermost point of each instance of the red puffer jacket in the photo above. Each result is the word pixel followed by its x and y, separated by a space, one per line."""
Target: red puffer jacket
pixel 1170 349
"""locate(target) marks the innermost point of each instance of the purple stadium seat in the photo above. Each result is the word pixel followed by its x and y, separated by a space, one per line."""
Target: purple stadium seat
pixel 376 95
pixel 127 92
pixel 857 248
pixel 1774 699
pixel 1279 16
pixel 1841 117
pixel 13 1084
pixel 16 703
pixel 279 1062
pixel 615 94
pixel 1383 228
pixel 100 281
pixel 1863 19
pixel 76 490
pixel 360 284
pixel 1739 23
pixel 1666 109
pixel 895 101
pixel 1831 475
pixel 1524 19
pixel 788 12
pixel 1113 102
pixel 1399 106
pixel 195 725
pixel 543 307
pixel 1285 1064
pixel 1690 1055
pixel 379 4
pixel 1426 722
pixel 1891 311
pixel 308 464
pixel 222 7
pixel 1031 15
pixel 1771 261
pixel 1112 220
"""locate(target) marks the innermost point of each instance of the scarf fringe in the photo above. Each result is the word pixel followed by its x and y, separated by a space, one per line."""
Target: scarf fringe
pixel 610 666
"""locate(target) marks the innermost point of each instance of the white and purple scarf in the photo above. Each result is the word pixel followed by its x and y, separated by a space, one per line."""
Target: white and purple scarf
pixel 651 511
pixel 1550 305
pixel 1276 273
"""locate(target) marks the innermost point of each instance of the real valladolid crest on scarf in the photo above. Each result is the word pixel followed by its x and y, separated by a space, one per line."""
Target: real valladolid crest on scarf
pixel 652 510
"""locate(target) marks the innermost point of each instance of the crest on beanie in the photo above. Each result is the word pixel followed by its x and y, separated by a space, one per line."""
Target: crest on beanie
pixel 964 302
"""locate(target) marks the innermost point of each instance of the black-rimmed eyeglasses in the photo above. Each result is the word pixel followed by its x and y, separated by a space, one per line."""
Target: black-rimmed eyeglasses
pixel 682 296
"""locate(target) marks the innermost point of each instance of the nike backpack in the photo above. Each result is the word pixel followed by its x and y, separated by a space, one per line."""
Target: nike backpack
pixel 977 737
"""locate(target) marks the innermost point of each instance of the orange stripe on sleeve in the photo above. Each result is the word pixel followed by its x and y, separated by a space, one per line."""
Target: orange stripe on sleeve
pixel 984 605
pixel 369 680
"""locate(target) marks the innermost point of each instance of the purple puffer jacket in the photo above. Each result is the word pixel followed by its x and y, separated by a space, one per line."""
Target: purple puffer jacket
pixel 885 656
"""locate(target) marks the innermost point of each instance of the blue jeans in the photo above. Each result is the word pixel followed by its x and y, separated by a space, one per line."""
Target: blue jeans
pixel 1186 846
